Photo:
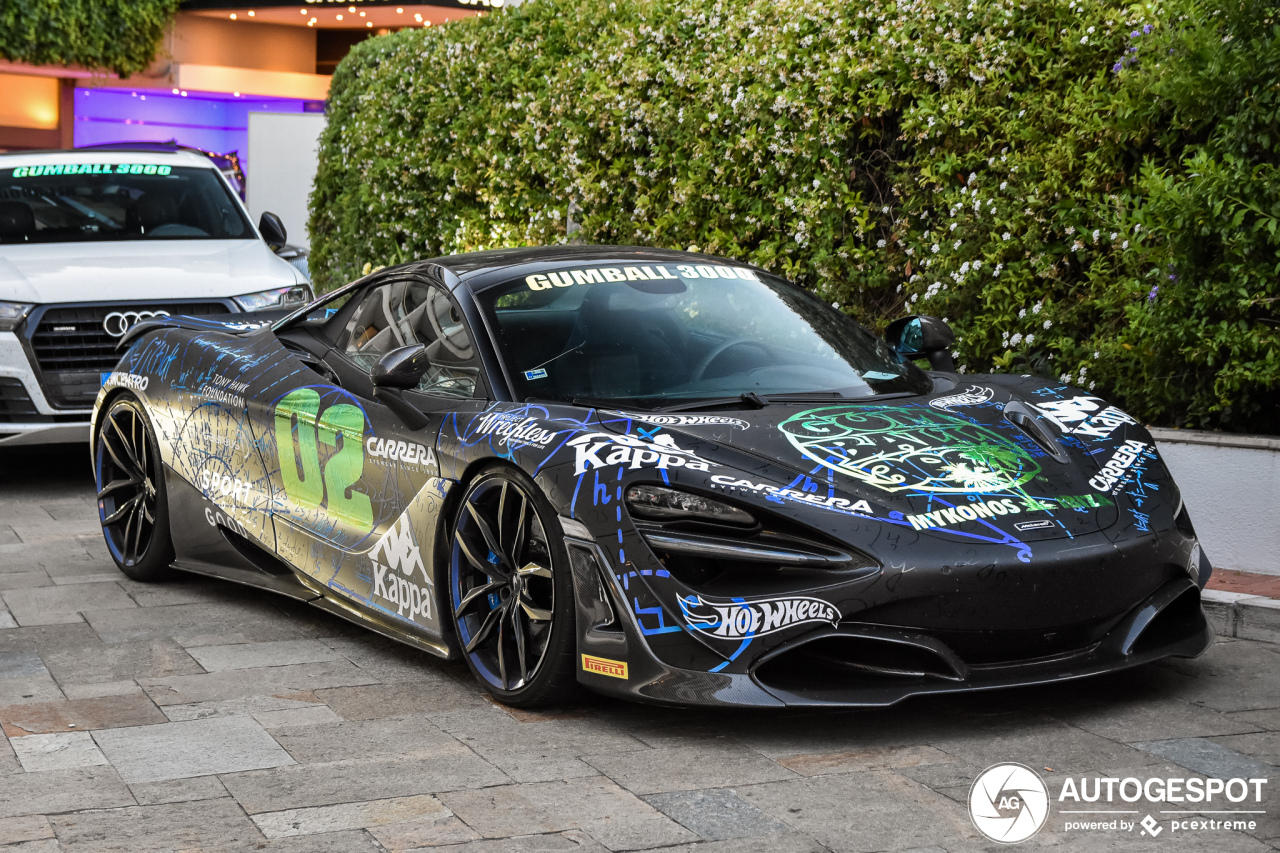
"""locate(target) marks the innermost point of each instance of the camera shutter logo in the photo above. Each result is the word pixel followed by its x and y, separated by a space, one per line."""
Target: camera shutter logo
pixel 1008 803
pixel 118 322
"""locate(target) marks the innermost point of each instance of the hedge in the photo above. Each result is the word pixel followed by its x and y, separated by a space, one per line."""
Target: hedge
pixel 1085 190
pixel 112 35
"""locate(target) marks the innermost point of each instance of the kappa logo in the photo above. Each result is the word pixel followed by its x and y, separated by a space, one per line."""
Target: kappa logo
pixel 402 451
pixel 395 558
pixel 972 396
pixel 603 449
pixel 734 620
pixel 1117 466
pixel 1076 416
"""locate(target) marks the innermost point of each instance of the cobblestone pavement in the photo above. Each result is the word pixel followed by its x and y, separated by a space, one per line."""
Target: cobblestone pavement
pixel 200 715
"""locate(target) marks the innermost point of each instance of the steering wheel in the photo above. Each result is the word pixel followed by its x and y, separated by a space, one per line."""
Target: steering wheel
pixel 722 348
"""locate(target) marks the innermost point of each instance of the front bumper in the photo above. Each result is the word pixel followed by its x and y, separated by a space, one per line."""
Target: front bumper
pixel 25 414
pixel 879 665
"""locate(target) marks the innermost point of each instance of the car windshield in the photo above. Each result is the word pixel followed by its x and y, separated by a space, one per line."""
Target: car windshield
pixel 661 335
pixel 89 202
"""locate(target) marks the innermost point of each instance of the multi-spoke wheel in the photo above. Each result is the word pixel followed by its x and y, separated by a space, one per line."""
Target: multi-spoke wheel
pixel 510 590
pixel 131 495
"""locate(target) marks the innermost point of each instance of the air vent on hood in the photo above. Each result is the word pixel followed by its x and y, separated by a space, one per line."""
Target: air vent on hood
pixel 1024 418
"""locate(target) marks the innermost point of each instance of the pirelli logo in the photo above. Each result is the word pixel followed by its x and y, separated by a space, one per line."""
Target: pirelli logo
pixel 604 666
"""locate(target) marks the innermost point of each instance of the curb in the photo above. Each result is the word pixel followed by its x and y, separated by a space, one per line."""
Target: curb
pixel 1242 616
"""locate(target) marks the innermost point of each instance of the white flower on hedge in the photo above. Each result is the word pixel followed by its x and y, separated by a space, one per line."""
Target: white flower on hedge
pixel 1016 338
pixel 1006 236
pixel 955 245
pixel 1031 339
pixel 1097 354
pixel 1022 313
pixel 1048 324
pixel 1124 245
pixel 934 248
pixel 1095 235
pixel 1035 309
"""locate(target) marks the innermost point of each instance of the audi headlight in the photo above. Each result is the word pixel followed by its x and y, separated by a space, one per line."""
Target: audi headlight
pixel 662 504
pixel 280 297
pixel 12 314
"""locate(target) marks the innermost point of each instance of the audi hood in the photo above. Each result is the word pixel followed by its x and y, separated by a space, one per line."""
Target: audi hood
pixel 137 270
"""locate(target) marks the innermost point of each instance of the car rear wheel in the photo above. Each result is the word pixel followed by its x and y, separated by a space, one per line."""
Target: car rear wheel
pixel 131 496
pixel 510 591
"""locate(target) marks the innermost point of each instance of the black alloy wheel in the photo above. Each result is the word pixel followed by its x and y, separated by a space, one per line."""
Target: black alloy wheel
pixel 510 591
pixel 132 504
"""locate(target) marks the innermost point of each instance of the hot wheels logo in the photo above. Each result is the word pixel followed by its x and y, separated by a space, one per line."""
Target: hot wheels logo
pixel 735 620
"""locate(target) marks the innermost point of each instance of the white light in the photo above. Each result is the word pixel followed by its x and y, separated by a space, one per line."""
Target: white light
pixel 339 17
pixel 233 16
pixel 237 94
pixel 184 94
pixel 302 11
pixel 399 11
pixel 175 91
pixel 369 25
pixel 250 13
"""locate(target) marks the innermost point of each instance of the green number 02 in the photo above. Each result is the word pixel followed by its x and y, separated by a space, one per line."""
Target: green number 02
pixel 305 484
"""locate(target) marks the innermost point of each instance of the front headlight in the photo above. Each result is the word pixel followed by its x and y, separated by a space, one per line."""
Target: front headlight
pixel 12 314
pixel 662 504
pixel 280 297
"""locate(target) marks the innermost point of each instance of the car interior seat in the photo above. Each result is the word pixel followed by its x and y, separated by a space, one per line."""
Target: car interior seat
pixel 17 221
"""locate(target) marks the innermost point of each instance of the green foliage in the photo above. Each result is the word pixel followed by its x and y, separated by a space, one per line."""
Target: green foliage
pixel 978 161
pixel 114 35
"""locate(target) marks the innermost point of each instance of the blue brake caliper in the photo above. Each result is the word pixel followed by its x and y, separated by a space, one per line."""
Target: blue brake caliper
pixel 494 599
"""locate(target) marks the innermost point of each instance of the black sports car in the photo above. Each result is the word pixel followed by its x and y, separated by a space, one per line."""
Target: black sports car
pixel 660 475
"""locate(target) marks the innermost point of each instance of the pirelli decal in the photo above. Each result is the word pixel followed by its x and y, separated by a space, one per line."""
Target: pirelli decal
pixel 656 272
pixel 604 666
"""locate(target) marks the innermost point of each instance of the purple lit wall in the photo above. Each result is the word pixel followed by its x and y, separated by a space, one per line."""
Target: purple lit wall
pixel 214 121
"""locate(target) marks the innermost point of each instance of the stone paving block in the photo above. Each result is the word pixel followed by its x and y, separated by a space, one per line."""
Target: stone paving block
pixel 96 662
pixel 431 694
pixel 1264 746
pixel 250 705
pixel 426 831
pixel 172 826
pixel 1152 718
pixel 792 842
pixel 1208 758
pixel 53 605
pixel 267 681
pixel 72 510
pixel 573 841
pixel 63 791
pixel 183 589
pixel 24 580
pixel 616 818
pixel 109 576
pixel 1258 619
pixel 313 744
pixel 351 841
pixel 196 748
pixel 834 731
pixel 310 821
pixel 21 664
pixel 312 715
pixel 1228 680
pixel 1036 742
pixel 7 620
pixel 449 767
pixel 244 620
pixel 8 536
pixel 710 765
pixel 875 758
pixel 8 761
pixel 61 751
pixel 30 688
pixel 101 689
pixel 386 660
pixel 893 813
pixel 108 712
pixel 178 790
pixel 716 814
pixel 254 655
pixel 29 828
pixel 46 638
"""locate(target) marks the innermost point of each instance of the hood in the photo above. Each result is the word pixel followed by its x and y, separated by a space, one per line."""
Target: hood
pixel 941 461
pixel 139 270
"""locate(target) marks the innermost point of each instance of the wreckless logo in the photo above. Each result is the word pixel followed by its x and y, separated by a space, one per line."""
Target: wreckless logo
pixel 1008 803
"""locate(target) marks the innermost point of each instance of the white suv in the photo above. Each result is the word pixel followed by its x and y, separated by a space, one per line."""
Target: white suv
pixel 92 242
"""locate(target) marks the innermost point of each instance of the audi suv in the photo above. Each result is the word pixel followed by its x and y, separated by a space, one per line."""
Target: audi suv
pixel 95 241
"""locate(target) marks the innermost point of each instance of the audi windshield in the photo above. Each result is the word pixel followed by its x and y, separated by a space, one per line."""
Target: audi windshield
pixel 676 334
pixel 86 202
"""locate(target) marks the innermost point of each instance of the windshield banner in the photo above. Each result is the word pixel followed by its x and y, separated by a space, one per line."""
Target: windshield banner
pixel 91 169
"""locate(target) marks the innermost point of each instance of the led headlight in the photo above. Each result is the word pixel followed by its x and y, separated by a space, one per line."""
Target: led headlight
pixel 662 504
pixel 280 297
pixel 12 314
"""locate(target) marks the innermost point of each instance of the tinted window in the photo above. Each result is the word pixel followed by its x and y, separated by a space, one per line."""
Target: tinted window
pixel 83 202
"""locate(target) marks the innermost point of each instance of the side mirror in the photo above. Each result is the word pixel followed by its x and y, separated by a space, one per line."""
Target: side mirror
pixel 401 368
pixel 272 230
pixel 919 335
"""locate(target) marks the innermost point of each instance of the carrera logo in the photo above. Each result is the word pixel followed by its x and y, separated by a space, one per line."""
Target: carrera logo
pixel 400 451
pixel 600 450
pixel 793 495
pixel 1023 526
pixel 735 620
pixel 395 558
pixel 1118 465
pixel 604 666
pixel 972 396
pixel 117 323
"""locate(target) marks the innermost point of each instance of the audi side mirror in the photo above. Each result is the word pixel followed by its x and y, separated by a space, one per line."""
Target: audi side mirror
pixel 401 368
pixel 923 336
pixel 272 230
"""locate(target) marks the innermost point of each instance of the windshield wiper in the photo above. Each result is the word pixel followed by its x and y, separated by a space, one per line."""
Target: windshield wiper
pixel 756 401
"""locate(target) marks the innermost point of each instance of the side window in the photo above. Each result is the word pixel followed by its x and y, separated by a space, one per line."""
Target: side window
pixel 401 313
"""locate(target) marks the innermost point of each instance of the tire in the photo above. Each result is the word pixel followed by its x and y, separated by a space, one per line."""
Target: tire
pixel 511 591
pixel 132 503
